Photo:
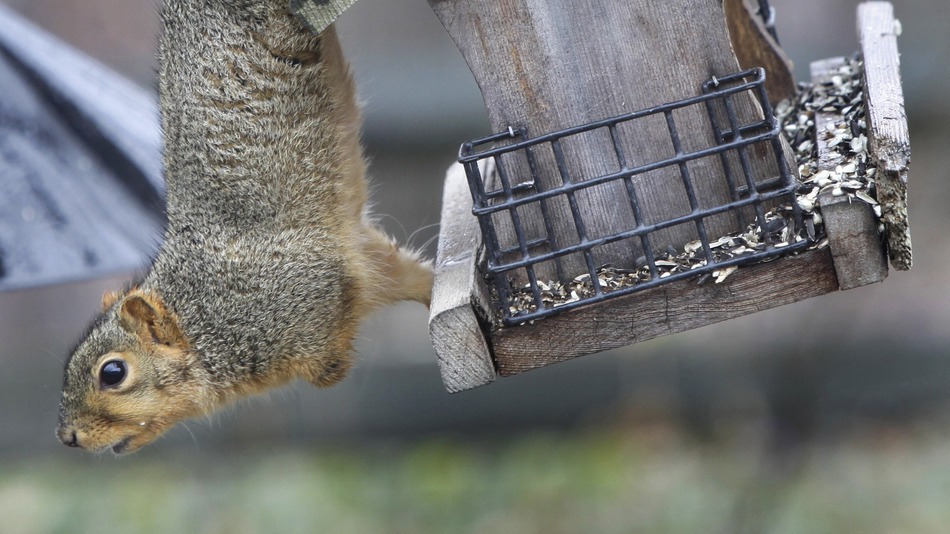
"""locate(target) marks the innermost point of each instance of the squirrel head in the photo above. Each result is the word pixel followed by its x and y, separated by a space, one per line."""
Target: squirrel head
pixel 131 379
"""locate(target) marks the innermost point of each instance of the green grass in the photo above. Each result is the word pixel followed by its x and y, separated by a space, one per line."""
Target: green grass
pixel 649 479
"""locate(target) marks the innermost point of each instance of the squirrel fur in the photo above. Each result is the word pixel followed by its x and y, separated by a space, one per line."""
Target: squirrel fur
pixel 270 259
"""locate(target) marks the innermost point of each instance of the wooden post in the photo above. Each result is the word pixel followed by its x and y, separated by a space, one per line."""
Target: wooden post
pixel 457 331
pixel 545 66
pixel 888 139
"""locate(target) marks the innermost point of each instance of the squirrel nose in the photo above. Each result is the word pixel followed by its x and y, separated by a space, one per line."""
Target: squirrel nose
pixel 68 437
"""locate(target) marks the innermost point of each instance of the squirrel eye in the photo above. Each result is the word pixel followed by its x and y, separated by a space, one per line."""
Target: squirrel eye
pixel 112 374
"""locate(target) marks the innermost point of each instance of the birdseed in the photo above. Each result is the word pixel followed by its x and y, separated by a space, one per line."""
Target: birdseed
pixel 841 96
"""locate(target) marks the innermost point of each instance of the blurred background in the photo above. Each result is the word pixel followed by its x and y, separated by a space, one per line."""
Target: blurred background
pixel 828 415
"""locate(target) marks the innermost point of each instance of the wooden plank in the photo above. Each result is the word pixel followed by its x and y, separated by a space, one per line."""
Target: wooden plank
pixel 547 65
pixel 755 47
pixel 663 310
pixel 888 138
pixel 851 225
pixel 454 325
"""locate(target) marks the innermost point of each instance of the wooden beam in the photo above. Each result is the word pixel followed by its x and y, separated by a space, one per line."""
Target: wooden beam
pixel 888 138
pixel 458 292
pixel 667 309
pixel 755 47
pixel 851 225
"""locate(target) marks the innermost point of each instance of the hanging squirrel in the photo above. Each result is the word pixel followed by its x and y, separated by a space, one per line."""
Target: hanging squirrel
pixel 270 259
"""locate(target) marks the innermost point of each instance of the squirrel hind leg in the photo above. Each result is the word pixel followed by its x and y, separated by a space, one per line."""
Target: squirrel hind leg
pixel 326 372
pixel 397 273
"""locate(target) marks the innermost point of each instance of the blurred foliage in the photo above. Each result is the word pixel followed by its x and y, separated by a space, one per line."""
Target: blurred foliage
pixel 652 479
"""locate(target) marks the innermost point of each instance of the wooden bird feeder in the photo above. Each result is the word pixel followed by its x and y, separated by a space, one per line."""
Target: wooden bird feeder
pixel 657 170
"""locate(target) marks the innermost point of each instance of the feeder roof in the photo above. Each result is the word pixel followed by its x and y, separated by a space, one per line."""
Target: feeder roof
pixel 80 163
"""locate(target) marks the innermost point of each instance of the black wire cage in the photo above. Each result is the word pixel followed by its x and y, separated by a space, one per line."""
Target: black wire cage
pixel 765 206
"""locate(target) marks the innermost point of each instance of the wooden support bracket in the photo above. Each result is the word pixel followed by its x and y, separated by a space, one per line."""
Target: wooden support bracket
pixel 850 224
pixel 888 138
pixel 459 296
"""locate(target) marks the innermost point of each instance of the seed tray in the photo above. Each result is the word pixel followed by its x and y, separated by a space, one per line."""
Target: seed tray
pixel 853 178
pixel 501 193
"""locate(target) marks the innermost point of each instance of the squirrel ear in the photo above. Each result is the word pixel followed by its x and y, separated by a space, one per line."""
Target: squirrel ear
pixel 109 298
pixel 145 315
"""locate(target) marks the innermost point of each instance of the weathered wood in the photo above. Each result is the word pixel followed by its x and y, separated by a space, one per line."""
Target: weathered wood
pixel 888 138
pixel 666 309
pixel 548 65
pixel 855 242
pixel 454 326
pixel 755 47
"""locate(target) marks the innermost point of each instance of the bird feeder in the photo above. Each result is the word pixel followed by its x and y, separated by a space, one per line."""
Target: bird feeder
pixel 657 170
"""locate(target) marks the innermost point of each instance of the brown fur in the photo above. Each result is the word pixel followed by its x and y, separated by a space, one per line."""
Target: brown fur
pixel 270 259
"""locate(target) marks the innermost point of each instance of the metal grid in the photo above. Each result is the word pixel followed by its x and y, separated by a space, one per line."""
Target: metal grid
pixel 732 140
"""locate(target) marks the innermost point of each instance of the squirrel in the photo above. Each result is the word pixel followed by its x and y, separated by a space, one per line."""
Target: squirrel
pixel 270 258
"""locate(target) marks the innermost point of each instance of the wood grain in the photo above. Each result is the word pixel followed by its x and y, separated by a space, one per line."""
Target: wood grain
pixel 855 242
pixel 548 65
pixel 888 138
pixel 755 47
pixel 667 309
pixel 541 66
pixel 454 325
